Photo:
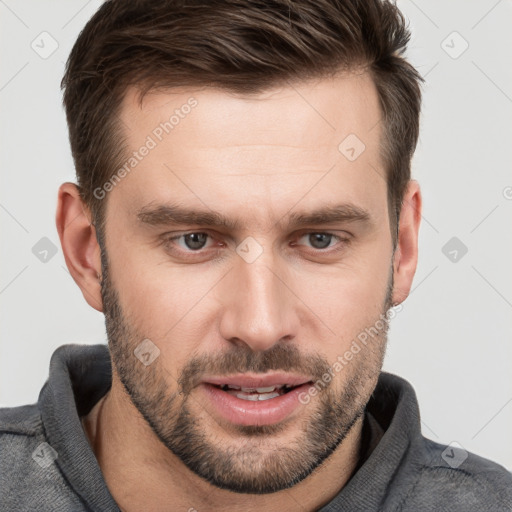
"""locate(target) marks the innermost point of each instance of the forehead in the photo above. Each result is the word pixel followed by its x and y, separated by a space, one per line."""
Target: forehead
pixel 215 146
pixel 345 102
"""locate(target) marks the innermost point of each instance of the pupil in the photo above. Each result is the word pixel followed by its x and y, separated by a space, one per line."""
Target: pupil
pixel 195 240
pixel 323 238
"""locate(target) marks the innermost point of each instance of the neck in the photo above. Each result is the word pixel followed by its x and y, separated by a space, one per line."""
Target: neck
pixel 124 443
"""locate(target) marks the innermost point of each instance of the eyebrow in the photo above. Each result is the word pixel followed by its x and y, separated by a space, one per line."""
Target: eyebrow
pixel 174 214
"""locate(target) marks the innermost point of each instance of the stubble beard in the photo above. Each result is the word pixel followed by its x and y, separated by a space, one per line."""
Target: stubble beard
pixel 170 407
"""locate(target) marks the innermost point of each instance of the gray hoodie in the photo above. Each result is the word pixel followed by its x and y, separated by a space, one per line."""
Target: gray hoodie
pixel 47 464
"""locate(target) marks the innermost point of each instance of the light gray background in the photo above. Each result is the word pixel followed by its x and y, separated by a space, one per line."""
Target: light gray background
pixel 452 340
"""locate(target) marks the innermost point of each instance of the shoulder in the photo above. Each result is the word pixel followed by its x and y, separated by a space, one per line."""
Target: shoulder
pixel 453 479
pixel 21 420
pixel 21 432
pixel 20 428
pixel 29 478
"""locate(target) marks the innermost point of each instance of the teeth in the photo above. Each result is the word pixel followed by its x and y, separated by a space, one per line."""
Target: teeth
pixel 255 394
pixel 253 390
pixel 255 397
pixel 266 390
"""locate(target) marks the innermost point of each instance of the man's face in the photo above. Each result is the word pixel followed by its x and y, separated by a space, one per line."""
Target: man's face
pixel 262 296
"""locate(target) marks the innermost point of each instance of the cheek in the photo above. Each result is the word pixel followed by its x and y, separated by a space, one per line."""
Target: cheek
pixel 352 294
pixel 348 300
pixel 159 300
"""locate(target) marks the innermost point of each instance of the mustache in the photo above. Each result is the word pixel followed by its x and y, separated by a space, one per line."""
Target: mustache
pixel 281 356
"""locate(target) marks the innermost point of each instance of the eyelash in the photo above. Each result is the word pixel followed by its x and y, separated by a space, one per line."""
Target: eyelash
pixel 167 242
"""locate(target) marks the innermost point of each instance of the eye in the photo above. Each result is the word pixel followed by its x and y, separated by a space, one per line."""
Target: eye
pixel 189 241
pixel 321 240
pixel 195 244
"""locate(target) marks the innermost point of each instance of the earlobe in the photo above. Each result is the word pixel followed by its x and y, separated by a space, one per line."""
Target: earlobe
pixel 79 244
pixel 406 255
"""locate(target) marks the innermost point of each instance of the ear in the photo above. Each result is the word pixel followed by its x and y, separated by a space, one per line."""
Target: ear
pixel 79 244
pixel 406 255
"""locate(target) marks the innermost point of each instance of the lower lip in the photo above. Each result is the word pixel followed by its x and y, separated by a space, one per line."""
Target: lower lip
pixel 247 412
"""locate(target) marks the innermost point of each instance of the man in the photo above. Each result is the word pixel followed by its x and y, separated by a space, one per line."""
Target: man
pixel 246 221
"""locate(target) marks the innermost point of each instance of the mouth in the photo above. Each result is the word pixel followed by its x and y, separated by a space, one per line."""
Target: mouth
pixel 256 394
pixel 246 400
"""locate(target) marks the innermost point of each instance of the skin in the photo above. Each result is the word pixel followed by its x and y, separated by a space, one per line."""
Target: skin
pixel 255 159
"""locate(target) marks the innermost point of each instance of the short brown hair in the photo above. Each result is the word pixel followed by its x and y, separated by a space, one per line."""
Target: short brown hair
pixel 243 46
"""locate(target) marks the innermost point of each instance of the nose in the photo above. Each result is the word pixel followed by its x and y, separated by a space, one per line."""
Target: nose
pixel 259 308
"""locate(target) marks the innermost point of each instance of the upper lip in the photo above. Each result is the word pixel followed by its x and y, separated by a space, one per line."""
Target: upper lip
pixel 246 380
